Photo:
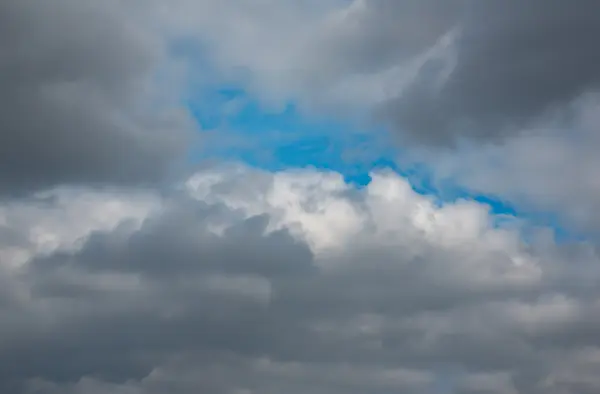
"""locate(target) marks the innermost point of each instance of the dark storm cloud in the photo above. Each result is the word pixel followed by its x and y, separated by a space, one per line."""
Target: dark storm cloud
pixel 75 104
pixel 512 61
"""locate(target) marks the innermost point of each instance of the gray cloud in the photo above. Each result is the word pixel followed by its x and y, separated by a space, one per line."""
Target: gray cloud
pixel 549 169
pixel 208 294
pixel 377 34
pixel 435 71
pixel 513 62
pixel 77 104
pixel 294 282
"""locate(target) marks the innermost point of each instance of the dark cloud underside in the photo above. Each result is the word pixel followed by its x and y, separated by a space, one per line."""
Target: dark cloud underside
pixel 74 105
pixel 513 61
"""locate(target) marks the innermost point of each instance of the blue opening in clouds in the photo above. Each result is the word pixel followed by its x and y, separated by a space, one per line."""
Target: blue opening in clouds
pixel 236 127
pixel 277 139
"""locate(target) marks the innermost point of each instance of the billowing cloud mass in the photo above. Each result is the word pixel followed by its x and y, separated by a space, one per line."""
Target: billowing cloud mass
pixel 122 270
pixel 247 281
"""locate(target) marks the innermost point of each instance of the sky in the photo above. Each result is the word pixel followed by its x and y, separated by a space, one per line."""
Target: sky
pixel 316 196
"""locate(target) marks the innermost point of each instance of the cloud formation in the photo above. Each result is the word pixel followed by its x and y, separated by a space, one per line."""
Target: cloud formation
pixel 513 62
pixel 551 167
pixel 241 281
pixel 294 281
pixel 437 71
pixel 79 101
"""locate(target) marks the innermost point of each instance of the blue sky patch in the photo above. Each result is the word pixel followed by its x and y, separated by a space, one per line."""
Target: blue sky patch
pixel 236 127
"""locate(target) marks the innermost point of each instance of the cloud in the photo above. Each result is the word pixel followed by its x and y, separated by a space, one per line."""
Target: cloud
pixel 232 285
pixel 435 71
pixel 550 167
pixel 79 101
pixel 242 281
pixel 514 61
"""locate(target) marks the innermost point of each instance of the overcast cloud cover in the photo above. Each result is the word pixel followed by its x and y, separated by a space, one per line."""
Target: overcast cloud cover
pixel 125 269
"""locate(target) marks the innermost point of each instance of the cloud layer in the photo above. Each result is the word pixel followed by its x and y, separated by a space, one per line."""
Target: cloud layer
pixel 254 282
pixel 121 274
pixel 437 71
pixel 79 100
pixel 511 63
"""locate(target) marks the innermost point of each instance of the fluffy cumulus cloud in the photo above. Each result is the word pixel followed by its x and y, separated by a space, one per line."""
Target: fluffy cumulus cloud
pixel 513 84
pixel 247 281
pixel 123 271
